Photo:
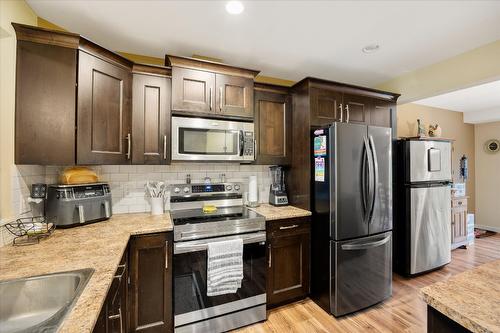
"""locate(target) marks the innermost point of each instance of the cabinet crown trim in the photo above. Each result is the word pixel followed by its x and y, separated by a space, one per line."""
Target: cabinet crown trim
pixel 211 66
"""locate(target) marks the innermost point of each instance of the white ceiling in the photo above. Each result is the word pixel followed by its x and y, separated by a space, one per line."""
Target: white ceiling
pixel 479 103
pixel 288 39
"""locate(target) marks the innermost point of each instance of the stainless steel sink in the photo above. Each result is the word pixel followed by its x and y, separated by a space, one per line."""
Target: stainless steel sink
pixel 39 303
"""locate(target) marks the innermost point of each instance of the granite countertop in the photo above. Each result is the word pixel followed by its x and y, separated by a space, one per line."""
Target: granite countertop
pixel 471 298
pixel 277 213
pixel 99 246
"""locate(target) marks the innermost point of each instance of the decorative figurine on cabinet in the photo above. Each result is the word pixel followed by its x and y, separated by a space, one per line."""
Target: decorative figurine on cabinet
pixel 435 130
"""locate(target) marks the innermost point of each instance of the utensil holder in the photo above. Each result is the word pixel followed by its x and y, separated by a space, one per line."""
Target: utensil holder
pixel 156 206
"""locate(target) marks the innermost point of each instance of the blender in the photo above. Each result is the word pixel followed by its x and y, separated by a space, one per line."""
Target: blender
pixel 277 190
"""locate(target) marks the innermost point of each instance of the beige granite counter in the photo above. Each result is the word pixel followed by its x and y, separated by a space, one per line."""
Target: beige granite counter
pixel 98 246
pixel 471 298
pixel 271 212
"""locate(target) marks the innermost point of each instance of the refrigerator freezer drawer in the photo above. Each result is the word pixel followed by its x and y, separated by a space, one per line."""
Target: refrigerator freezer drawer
pixel 429 161
pixel 430 223
pixel 361 271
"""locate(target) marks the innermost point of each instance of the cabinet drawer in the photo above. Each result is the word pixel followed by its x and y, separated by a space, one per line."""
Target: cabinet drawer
pixel 458 202
pixel 288 227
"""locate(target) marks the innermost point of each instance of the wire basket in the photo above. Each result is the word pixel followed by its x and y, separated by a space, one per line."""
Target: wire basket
pixel 29 230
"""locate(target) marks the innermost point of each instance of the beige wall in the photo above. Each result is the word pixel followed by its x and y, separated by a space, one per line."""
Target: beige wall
pixel 20 12
pixel 465 70
pixel 487 178
pixel 453 127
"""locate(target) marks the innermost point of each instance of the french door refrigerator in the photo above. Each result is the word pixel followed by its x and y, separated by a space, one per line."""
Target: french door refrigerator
pixel 422 230
pixel 352 208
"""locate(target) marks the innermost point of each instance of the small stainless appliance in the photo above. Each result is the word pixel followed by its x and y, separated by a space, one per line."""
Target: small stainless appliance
pixel 352 212
pixel 194 230
pixel 71 205
pixel 199 139
pixel 277 189
pixel 422 233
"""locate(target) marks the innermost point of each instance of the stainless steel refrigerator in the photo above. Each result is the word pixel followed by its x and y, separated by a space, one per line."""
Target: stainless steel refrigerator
pixel 422 230
pixel 352 217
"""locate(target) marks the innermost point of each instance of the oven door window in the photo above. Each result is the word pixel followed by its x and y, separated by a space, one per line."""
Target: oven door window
pixel 195 141
pixel 190 279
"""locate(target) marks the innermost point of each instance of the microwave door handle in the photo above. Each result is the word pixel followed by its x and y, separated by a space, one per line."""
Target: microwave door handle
pixel 242 142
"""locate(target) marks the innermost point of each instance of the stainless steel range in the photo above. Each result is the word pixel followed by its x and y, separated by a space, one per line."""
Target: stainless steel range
pixel 194 229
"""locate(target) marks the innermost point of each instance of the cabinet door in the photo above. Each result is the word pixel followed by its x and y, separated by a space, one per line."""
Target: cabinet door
pixel 104 112
pixel 325 106
pixel 356 109
pixel 273 128
pixel 118 299
pixel 380 113
pixel 151 119
pixel 458 224
pixel 150 289
pixel 193 90
pixel 234 96
pixel 288 260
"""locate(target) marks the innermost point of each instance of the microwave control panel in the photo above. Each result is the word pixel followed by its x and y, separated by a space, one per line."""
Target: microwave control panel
pixel 248 144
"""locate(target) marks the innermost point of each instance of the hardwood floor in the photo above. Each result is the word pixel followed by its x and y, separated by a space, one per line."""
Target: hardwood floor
pixel 405 311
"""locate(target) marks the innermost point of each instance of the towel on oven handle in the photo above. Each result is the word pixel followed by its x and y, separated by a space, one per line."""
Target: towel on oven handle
pixel 224 267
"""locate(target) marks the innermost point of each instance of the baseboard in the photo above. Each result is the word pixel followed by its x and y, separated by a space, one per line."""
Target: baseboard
pixel 487 227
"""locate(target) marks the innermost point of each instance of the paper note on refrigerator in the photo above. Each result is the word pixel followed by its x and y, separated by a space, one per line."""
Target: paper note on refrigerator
pixel 319 169
pixel 320 145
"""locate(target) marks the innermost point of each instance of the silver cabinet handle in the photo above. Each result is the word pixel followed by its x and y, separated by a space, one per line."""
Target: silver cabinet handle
pixel 118 316
pixel 220 98
pixel 81 213
pixel 164 147
pixel 166 254
pixel 129 145
pixel 347 113
pixel 293 226
pixel 341 112
pixel 210 99
pixel 270 260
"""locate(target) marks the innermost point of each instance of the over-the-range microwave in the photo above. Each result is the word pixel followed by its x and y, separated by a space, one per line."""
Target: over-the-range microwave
pixel 200 139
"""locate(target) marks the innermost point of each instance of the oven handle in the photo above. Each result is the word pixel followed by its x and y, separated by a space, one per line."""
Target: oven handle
pixel 202 245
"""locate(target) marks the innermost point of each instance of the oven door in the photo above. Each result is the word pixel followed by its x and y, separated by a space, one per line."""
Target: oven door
pixel 191 303
pixel 196 139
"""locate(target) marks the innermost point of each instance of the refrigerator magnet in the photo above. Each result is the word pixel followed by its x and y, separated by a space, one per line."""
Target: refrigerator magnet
pixel 319 169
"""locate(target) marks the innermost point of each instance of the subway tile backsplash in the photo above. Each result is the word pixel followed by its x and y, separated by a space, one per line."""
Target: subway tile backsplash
pixel 127 182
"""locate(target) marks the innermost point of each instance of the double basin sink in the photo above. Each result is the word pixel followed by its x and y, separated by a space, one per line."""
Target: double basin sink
pixel 40 303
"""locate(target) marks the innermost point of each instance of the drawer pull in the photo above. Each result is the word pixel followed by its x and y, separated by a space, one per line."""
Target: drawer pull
pixel 270 262
pixel 293 226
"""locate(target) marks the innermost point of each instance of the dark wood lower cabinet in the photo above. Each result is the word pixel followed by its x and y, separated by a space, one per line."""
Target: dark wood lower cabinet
pixel 288 258
pixel 439 323
pixel 140 296
pixel 150 289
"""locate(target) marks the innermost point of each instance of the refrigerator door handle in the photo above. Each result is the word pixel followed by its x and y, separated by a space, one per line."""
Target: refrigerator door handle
pixel 368 184
pixel 363 182
pixel 364 246
pixel 375 176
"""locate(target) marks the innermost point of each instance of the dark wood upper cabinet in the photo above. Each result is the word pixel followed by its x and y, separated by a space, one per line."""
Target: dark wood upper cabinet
pixel 210 89
pixel 288 260
pixel 104 112
pixel 234 95
pixel 381 113
pixel 45 104
pixel 356 109
pixel 151 119
pixel 193 90
pixel 150 289
pixel 273 127
pixel 325 106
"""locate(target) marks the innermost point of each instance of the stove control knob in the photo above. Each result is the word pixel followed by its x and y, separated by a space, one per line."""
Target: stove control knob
pixel 229 187
pixel 177 190
pixel 236 187
pixel 186 189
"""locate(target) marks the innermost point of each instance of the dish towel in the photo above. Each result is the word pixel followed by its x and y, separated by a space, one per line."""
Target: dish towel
pixel 224 267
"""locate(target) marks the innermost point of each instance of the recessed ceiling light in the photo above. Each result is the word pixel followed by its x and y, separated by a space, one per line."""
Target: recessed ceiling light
pixel 371 48
pixel 234 7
